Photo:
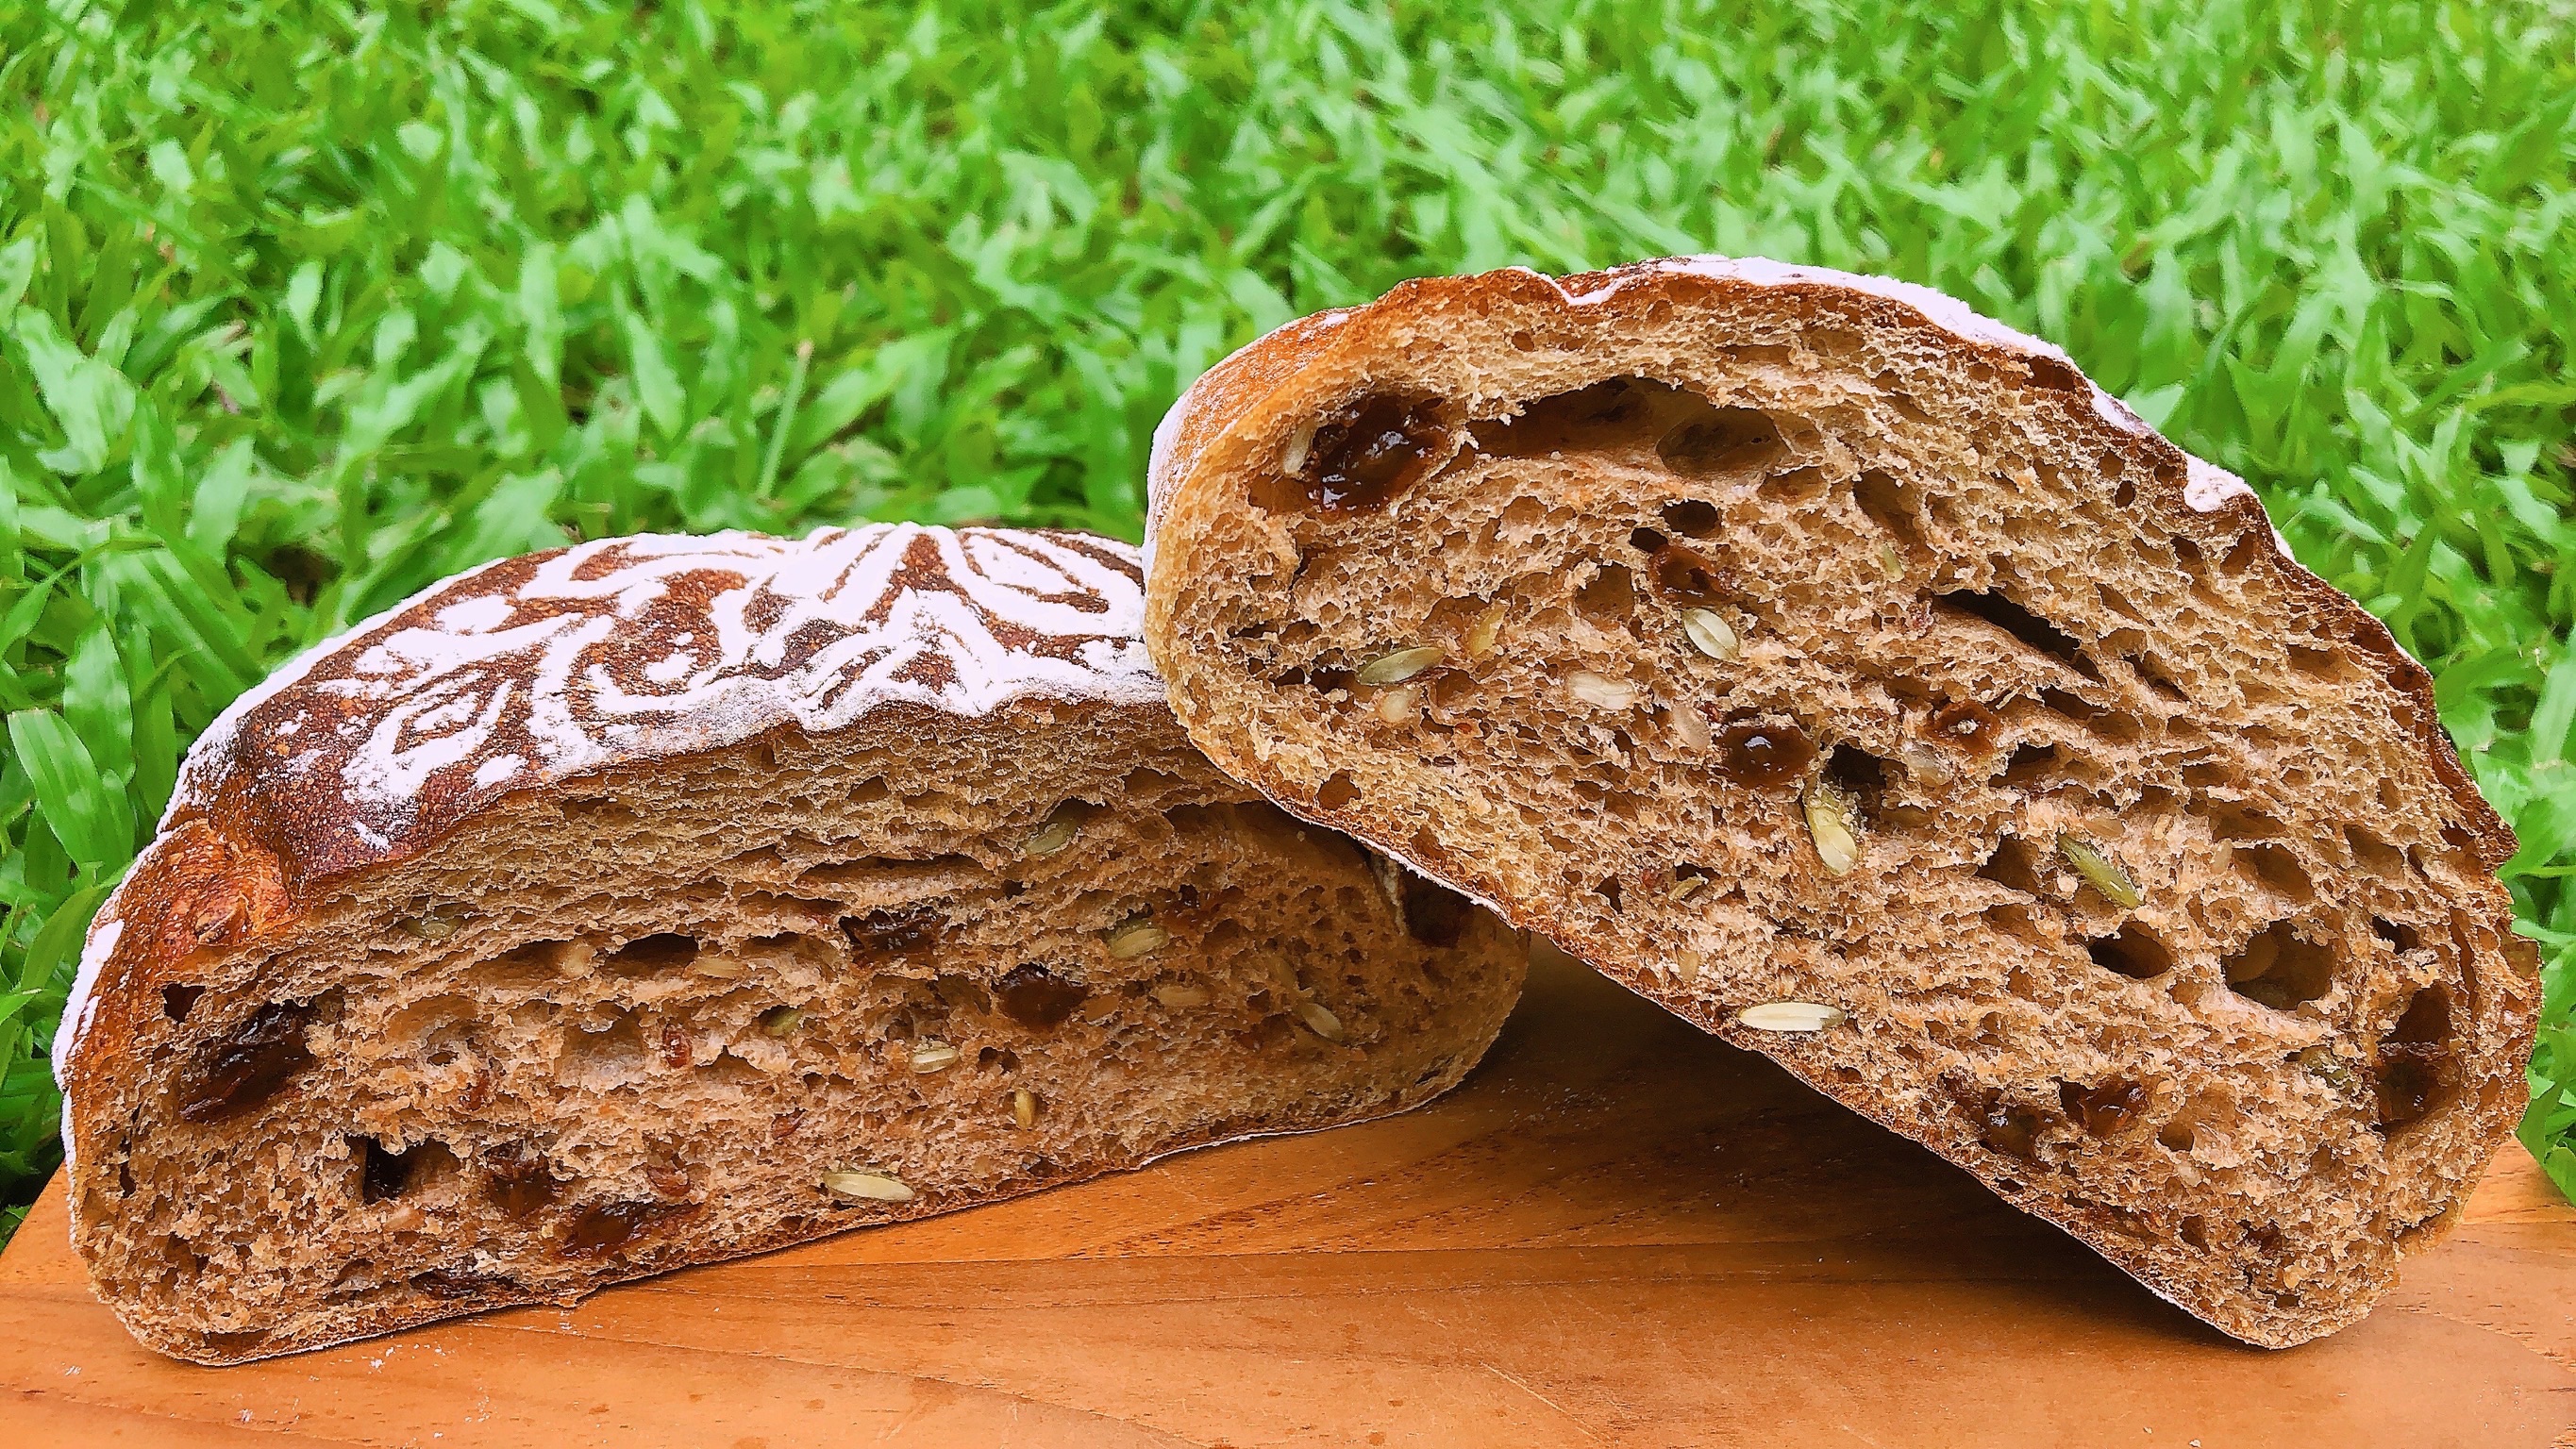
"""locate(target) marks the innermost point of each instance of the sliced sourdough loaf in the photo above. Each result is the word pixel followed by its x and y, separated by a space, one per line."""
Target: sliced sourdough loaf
pixel 1847 673
pixel 661 900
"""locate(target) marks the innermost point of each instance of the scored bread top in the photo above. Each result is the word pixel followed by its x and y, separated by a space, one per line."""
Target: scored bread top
pixel 1413 315
pixel 525 672
pixel 533 669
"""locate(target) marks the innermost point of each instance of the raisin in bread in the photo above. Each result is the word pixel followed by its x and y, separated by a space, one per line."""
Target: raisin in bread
pixel 661 900
pixel 1847 673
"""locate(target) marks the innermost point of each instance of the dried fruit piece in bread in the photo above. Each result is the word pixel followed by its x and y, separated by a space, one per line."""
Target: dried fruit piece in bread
pixel 661 900
pixel 1848 673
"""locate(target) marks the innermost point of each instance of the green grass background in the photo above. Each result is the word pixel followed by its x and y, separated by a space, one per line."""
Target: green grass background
pixel 302 307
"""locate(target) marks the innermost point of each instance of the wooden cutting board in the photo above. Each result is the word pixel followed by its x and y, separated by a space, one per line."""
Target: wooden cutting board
pixel 1618 1232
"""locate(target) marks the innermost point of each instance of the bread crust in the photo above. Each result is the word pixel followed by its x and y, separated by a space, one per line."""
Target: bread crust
pixel 496 695
pixel 1231 420
pixel 533 671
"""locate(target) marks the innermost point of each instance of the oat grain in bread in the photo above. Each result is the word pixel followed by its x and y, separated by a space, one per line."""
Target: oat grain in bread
pixel 1846 672
pixel 660 900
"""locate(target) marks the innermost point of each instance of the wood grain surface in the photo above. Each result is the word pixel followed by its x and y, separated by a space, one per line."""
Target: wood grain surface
pixel 1618 1232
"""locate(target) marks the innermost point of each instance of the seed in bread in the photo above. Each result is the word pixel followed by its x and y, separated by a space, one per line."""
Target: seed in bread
pixel 660 900
pixel 1848 673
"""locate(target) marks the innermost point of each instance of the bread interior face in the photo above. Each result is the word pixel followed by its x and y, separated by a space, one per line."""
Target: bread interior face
pixel 1875 701
pixel 785 990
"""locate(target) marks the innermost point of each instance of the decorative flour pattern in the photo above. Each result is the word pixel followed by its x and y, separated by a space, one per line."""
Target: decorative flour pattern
pixel 533 669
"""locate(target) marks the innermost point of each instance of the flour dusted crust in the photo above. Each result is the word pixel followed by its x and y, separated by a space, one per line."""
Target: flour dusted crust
pixel 530 670
pixel 593 912
pixel 2255 1088
pixel 534 669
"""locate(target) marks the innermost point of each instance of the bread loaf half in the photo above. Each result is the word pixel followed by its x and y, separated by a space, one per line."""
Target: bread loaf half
pixel 661 900
pixel 1849 674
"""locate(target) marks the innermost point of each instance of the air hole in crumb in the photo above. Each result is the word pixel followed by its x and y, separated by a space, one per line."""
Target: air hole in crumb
pixel 600 811
pixel 2325 664
pixel 1608 890
pixel 2030 629
pixel 459 1283
pixel 1646 540
pixel 2159 677
pixel 1427 851
pixel 2110 724
pixel 1858 772
pixel 1338 791
pixel 1609 598
pixel 2014 865
pixel 645 955
pixel 1892 392
pixel 2195 1231
pixel 2398 935
pixel 1890 505
pixel 2124 494
pixel 2417 1074
pixel 2132 951
pixel 2176 1136
pixel 2103 1109
pixel 1691 518
pixel 516 1180
pixel 1605 416
pixel 1798 485
pixel 2016 922
pixel 384 1176
pixel 176 1000
pixel 2250 545
pixel 1833 341
pixel 528 963
pixel 2464 852
pixel 2276 868
pixel 2280 969
pixel 2030 764
pixel 611 1053
pixel 1727 440
pixel 2011 1128
pixel 2230 822
pixel 2376 855
pixel 2055 375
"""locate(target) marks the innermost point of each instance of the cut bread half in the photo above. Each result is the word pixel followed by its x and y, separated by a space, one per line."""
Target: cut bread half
pixel 662 900
pixel 1847 673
